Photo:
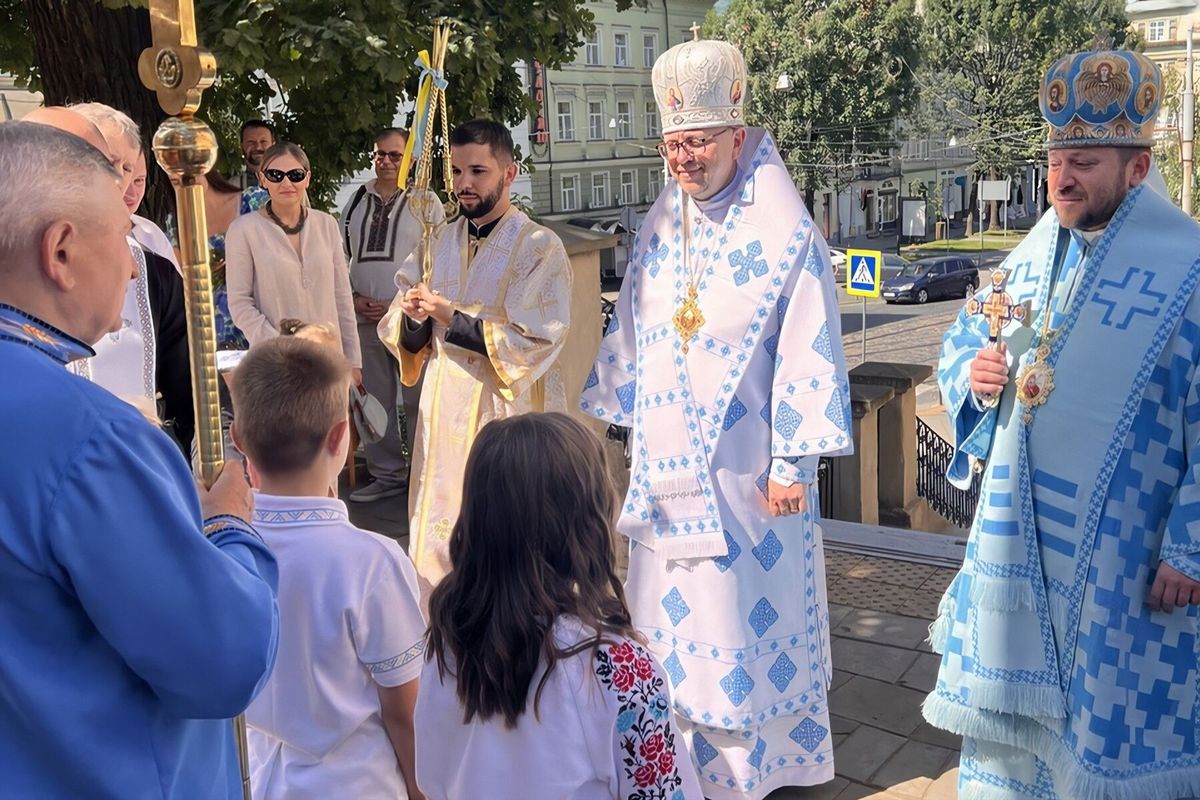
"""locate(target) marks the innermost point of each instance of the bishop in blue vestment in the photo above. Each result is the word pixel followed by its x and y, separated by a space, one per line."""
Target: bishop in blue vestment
pixel 1069 637
pixel 127 638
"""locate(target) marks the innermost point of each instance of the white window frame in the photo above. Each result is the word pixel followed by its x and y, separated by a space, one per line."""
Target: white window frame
pixel 621 51
pixel 649 54
pixel 629 195
pixel 625 120
pixel 573 187
pixel 566 121
pixel 596 119
pixel 652 129
pixel 654 184
pixel 593 56
pixel 1163 28
pixel 601 197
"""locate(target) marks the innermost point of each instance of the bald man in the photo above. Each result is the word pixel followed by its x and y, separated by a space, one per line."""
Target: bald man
pixel 146 360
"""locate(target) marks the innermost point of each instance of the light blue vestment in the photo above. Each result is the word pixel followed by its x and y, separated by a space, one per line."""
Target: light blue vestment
pixel 1063 681
pixel 127 639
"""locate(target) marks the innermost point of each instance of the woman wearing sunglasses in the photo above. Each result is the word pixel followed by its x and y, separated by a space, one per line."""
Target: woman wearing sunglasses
pixel 286 260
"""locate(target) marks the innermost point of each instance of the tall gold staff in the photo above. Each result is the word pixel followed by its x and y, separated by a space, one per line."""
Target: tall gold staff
pixel 431 101
pixel 178 70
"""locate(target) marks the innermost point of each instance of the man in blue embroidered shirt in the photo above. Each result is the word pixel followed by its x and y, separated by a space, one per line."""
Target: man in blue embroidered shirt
pixel 1068 639
pixel 127 638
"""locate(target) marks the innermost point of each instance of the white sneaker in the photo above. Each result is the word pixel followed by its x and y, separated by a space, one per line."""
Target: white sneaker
pixel 376 490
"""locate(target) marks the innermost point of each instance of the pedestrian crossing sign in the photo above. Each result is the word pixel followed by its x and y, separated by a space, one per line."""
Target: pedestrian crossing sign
pixel 863 272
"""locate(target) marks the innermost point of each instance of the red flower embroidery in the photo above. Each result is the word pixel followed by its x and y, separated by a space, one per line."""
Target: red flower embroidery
pixel 622 653
pixel 645 775
pixel 666 762
pixel 623 679
pixel 644 669
pixel 653 747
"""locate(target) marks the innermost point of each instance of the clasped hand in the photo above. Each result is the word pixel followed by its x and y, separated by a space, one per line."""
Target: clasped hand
pixel 989 371
pixel 421 303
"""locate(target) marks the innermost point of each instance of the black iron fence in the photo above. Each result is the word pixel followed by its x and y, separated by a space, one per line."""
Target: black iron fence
pixel 933 456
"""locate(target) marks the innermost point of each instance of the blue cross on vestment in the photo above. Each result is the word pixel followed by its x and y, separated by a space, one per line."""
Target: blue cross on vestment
pixel 1122 303
pixel 746 261
pixel 655 254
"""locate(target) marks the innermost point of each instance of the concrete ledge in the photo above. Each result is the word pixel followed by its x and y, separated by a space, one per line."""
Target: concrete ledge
pixel 901 377
pixel 918 547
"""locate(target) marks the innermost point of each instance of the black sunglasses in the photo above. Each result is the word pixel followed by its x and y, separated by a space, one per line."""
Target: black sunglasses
pixel 277 175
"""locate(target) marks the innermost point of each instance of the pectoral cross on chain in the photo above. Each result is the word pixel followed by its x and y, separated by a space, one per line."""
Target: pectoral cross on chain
pixel 176 67
pixel 999 310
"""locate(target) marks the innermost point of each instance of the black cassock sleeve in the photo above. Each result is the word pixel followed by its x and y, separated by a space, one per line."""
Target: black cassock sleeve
pixel 173 376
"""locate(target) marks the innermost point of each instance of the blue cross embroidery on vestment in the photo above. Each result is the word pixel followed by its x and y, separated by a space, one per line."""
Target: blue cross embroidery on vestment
pixel 808 734
pixel 613 326
pixel 676 608
pixel 768 551
pixel 756 755
pixel 762 616
pixel 674 669
pixel 626 395
pixel 821 345
pixel 737 685
pixel 787 420
pixel 746 261
pixel 1120 304
pixel 726 561
pixel 592 379
pixel 655 254
pixel 782 672
pixel 702 750
pixel 736 411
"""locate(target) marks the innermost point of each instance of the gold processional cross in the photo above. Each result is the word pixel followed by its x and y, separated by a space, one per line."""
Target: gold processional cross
pixel 999 310
pixel 178 70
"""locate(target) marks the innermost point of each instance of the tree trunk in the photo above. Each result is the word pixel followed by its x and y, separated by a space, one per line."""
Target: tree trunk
pixel 993 208
pixel 86 52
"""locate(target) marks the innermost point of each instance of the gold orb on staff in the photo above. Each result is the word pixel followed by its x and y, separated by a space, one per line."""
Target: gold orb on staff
pixel 178 70
pixel 430 105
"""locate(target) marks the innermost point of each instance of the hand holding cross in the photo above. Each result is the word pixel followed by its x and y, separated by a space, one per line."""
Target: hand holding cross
pixel 998 309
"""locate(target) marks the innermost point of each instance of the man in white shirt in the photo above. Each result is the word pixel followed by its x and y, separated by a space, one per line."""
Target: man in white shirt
pixel 380 232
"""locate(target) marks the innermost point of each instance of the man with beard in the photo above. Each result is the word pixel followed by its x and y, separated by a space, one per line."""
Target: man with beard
pixel 490 322
pixel 258 136
pixel 381 230
pixel 1068 639
pixel 724 357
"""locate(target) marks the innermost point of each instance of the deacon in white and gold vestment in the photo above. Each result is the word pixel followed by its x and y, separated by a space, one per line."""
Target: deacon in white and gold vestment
pixel 508 282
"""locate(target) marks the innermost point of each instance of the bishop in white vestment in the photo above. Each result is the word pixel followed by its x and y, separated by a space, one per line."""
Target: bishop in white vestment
pixel 725 359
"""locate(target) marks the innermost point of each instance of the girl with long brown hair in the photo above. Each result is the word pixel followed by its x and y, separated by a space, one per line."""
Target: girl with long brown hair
pixel 536 685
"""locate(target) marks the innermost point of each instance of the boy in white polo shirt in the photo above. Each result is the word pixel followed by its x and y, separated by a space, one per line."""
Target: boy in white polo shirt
pixel 335 717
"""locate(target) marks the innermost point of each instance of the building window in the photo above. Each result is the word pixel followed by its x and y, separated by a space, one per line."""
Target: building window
pixel 654 184
pixel 1157 30
pixel 591 49
pixel 570 192
pixel 652 120
pixel 649 49
pixel 628 187
pixel 624 119
pixel 621 49
pixel 566 122
pixel 599 190
pixel 595 119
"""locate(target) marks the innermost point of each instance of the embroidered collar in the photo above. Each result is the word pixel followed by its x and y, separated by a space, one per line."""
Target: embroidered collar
pixel 272 509
pixel 26 329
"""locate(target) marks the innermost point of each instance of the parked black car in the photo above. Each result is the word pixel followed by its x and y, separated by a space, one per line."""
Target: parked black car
pixel 932 278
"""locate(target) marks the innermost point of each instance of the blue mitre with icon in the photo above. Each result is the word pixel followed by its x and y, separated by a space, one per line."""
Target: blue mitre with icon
pixel 700 84
pixel 1102 98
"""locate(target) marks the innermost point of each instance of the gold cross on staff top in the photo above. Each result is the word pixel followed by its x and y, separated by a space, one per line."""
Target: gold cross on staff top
pixel 175 67
pixel 999 308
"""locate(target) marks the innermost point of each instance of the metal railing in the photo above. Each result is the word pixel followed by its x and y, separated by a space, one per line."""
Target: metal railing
pixel 933 456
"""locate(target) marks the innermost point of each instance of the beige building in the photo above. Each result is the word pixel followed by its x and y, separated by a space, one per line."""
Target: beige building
pixel 593 141
pixel 1162 26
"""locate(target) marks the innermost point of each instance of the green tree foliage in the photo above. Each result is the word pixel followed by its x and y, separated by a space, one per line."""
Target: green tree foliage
pixel 848 64
pixel 1167 153
pixel 331 73
pixel 985 61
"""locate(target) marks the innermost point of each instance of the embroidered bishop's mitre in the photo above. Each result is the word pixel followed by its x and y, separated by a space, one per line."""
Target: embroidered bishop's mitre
pixel 700 84
pixel 1102 98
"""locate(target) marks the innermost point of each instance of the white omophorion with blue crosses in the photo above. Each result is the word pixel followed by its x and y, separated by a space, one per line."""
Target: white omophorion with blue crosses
pixel 731 598
pixel 1063 682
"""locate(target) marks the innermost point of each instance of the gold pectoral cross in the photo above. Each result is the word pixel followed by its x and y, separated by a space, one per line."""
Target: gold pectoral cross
pixel 688 319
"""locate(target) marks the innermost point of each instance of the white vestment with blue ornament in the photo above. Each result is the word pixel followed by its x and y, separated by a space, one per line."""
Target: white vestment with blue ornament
pixel 1063 682
pixel 731 599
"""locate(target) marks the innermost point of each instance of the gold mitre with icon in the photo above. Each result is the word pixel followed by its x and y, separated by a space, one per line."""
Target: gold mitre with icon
pixel 700 84
pixel 1101 98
